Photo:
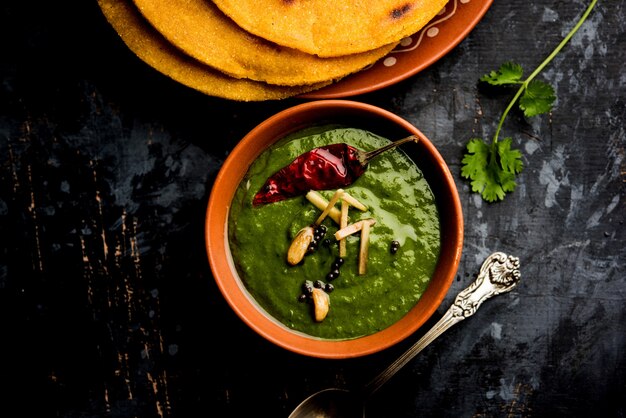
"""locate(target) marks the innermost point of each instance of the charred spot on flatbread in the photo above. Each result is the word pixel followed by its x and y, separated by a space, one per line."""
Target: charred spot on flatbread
pixel 398 12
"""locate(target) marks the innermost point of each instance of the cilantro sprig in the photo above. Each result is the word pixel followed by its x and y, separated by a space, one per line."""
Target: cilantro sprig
pixel 492 168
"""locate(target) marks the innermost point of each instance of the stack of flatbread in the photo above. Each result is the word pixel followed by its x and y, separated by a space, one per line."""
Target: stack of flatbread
pixel 253 50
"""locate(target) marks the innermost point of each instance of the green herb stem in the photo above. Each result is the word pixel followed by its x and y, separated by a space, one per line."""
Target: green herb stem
pixel 506 112
pixel 563 42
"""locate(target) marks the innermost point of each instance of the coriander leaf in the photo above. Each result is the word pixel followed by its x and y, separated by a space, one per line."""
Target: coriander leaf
pixel 492 175
pixel 537 98
pixel 508 73
pixel 476 159
pixel 494 189
pixel 510 159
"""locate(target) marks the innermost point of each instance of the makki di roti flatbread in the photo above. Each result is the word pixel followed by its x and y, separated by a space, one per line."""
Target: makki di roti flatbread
pixel 203 32
pixel 331 28
pixel 155 51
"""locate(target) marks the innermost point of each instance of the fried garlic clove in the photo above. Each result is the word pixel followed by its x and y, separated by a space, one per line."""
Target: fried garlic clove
pixel 321 304
pixel 299 245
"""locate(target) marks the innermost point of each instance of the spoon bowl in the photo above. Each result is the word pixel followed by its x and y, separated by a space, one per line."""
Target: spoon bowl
pixel 498 274
pixel 331 402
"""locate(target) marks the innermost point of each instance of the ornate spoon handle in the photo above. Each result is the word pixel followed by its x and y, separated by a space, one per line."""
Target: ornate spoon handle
pixel 498 274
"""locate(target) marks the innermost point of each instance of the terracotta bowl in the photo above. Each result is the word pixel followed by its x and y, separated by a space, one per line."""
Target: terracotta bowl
pixel 358 115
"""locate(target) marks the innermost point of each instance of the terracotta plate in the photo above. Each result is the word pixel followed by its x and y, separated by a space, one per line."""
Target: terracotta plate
pixel 414 53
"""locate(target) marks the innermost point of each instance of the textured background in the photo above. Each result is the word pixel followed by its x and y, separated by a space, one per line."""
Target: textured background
pixel 107 304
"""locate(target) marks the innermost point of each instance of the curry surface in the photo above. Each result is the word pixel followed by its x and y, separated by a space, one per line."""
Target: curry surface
pixel 397 196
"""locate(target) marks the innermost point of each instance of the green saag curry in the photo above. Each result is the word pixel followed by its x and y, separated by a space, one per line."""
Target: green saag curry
pixel 404 243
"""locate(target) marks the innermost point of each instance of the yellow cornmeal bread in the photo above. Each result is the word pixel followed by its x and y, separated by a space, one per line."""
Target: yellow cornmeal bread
pixel 157 52
pixel 203 32
pixel 331 28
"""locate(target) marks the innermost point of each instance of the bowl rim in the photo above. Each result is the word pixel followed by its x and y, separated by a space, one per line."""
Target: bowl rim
pixel 233 290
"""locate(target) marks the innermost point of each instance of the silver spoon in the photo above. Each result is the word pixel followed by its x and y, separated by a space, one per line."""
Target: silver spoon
pixel 498 274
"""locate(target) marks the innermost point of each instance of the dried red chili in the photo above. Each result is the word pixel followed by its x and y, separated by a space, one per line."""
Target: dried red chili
pixel 323 168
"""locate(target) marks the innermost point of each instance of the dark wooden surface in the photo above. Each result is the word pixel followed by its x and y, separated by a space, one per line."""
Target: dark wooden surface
pixel 107 304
